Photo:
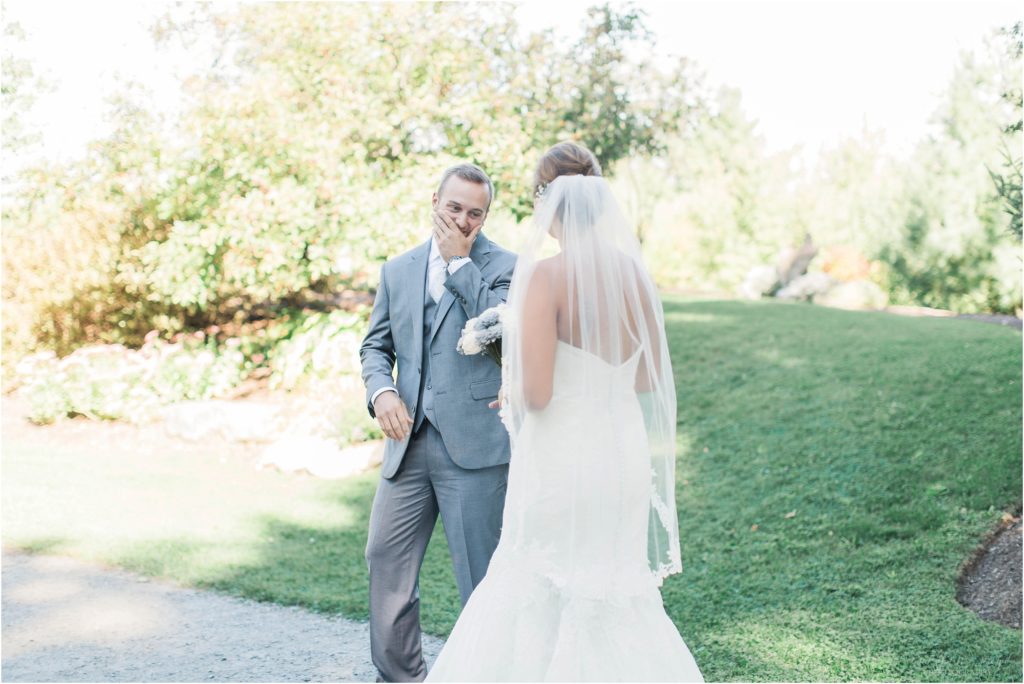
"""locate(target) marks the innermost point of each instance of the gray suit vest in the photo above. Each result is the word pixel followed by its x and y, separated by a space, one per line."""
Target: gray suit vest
pixel 425 405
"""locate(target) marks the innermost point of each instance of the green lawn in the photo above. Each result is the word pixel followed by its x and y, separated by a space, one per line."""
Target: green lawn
pixel 895 440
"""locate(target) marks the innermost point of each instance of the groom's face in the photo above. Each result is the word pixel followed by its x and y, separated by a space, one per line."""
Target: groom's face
pixel 464 202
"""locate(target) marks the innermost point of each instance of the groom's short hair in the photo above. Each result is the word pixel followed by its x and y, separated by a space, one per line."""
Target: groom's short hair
pixel 469 172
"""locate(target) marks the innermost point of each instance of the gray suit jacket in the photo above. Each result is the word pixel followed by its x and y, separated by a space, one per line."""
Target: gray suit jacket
pixel 463 385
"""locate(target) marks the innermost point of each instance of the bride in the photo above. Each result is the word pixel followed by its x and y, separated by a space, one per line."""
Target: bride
pixel 590 529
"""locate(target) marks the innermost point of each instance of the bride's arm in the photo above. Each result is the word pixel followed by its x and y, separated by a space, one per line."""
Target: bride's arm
pixel 540 337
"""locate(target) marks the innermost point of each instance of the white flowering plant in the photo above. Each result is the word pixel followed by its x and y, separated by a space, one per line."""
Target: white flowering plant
pixel 483 334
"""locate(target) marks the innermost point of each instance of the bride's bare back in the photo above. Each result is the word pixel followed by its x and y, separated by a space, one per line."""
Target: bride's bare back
pixel 552 315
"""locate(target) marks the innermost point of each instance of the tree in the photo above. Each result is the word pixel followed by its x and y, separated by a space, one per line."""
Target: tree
pixel 953 250
pixel 308 150
pixel 20 89
pixel 714 203
pixel 621 107
pixel 1008 184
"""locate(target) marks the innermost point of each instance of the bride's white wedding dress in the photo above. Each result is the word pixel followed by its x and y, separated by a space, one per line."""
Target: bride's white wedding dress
pixel 569 594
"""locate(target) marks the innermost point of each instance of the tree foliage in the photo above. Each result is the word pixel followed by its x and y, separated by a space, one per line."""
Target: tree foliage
pixel 308 153
pixel 1008 183
pixel 20 88
pixel 953 249
pixel 715 203
pixel 308 148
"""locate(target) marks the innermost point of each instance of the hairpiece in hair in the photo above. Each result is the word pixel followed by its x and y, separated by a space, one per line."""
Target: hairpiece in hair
pixel 540 190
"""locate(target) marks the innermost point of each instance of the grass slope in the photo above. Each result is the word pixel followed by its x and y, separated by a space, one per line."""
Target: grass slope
pixel 872 452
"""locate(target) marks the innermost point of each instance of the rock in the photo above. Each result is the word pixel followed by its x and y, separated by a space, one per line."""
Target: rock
pixel 760 281
pixel 239 421
pixel 321 457
pixel 857 295
pixel 792 262
pixel 300 435
pixel 369 454
pixel 806 286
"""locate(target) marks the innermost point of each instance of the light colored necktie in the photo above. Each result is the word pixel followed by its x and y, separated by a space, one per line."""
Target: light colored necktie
pixel 436 279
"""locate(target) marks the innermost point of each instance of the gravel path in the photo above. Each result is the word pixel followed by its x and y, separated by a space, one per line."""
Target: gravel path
pixel 65 620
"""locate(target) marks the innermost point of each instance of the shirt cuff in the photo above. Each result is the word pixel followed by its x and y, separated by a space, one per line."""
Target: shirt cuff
pixel 456 265
pixel 381 391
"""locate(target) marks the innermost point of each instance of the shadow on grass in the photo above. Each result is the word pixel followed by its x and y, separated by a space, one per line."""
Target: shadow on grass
pixel 835 469
pixel 320 567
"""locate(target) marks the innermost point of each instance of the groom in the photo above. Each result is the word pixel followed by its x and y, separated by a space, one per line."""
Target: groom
pixel 446 450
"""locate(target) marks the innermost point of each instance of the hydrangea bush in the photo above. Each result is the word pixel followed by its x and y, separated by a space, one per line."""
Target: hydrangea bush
pixel 112 382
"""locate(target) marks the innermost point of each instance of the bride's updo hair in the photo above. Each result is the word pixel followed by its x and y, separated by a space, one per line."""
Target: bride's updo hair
pixel 564 159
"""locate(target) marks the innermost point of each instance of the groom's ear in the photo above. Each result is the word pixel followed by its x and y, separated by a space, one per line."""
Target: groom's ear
pixel 433 200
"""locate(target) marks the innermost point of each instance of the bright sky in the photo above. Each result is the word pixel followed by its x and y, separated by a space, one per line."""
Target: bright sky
pixel 814 72
pixel 811 73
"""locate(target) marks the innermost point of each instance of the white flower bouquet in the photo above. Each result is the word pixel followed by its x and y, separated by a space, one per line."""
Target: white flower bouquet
pixel 483 334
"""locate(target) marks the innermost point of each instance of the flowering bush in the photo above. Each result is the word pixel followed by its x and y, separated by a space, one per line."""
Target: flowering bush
pixel 111 382
pixel 806 286
pixel 845 263
pixel 323 346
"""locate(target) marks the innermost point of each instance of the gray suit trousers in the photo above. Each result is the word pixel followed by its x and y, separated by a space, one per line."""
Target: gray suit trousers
pixel 404 513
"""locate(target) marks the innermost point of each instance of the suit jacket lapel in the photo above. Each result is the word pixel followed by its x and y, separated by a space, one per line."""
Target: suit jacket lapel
pixel 447 299
pixel 479 255
pixel 418 272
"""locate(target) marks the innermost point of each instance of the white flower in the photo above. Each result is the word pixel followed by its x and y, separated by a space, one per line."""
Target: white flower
pixel 483 333
pixel 469 344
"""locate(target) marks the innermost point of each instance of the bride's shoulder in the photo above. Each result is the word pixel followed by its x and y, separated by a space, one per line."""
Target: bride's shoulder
pixel 551 270
pixel 552 264
pixel 545 278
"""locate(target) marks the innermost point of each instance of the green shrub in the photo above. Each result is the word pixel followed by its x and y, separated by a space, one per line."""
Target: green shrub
pixel 112 382
pixel 321 346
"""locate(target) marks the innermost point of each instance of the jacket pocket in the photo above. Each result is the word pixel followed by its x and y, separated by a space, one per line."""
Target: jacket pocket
pixel 485 389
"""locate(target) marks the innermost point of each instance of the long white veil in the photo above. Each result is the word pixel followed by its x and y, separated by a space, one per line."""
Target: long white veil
pixel 615 314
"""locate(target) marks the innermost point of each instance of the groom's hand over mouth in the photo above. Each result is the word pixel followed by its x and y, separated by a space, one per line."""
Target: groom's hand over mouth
pixel 392 415
pixel 451 241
